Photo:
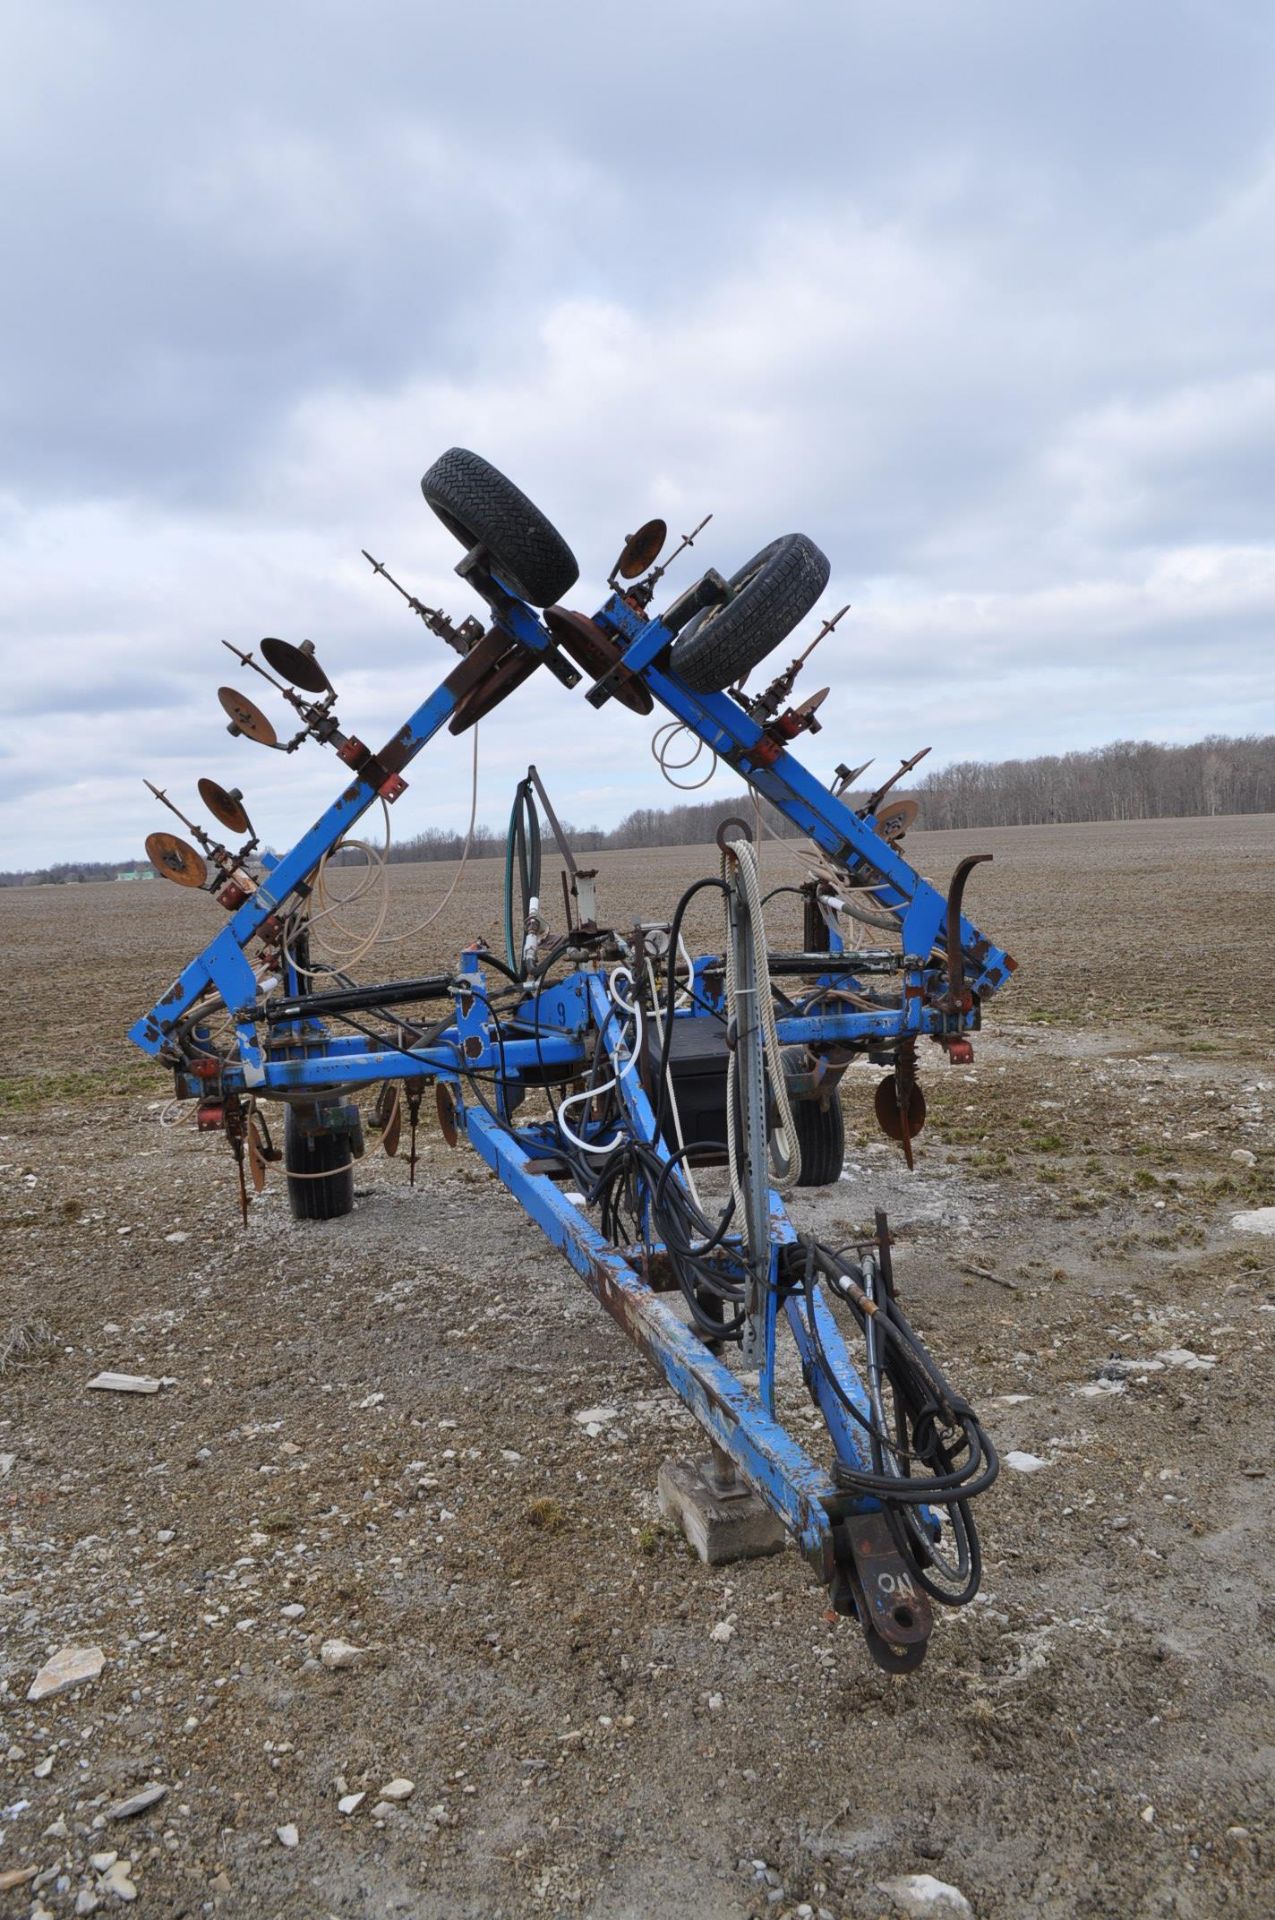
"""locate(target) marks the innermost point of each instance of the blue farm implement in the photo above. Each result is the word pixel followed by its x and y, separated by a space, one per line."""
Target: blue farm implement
pixel 598 1070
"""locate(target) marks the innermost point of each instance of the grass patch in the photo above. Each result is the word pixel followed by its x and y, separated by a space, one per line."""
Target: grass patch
pixel 546 1516
pixel 26 1092
pixel 24 1343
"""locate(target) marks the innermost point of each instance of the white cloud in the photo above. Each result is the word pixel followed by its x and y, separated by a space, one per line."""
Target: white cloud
pixel 998 340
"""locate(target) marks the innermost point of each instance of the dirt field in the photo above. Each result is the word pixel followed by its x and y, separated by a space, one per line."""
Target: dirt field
pixel 368 1434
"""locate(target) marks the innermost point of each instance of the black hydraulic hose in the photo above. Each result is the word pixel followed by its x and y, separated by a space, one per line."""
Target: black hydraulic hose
pixel 522 848
pixel 670 1007
pixel 920 1388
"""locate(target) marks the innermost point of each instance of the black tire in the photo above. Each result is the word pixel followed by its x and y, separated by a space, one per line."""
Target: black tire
pixel 821 1135
pixel 820 1125
pixel 330 1157
pixel 769 596
pixel 476 503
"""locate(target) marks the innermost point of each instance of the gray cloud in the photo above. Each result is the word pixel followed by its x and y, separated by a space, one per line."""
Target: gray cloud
pixel 980 297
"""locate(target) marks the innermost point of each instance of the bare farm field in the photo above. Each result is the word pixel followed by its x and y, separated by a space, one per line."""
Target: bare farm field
pixel 368 1434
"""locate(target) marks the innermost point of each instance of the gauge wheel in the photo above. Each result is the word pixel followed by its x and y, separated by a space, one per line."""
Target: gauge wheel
pixel 821 1130
pixel 482 508
pixel 768 598
pixel 320 1170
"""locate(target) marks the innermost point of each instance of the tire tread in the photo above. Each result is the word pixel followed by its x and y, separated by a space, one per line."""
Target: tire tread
pixel 477 504
pixel 720 647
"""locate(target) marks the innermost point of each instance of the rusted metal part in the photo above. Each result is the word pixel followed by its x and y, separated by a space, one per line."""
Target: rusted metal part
pixel 846 777
pixel 640 550
pixel 247 718
pixel 874 800
pixel 236 1118
pixel 894 1612
pixel 893 821
pixel 175 859
pixel 413 1091
pixel 387 1117
pixel 463 637
pixel 768 703
pixel 478 662
pixel 639 597
pixel 732 820
pixel 226 806
pixel 256 1158
pixel 445 1102
pixel 514 666
pixel 652 1263
pixel 819 1078
pixel 233 894
pixel 297 665
pixel 779 732
pixel 958 998
pixel 190 825
pixel 396 752
pixel 371 769
pixel 899 1101
pixel 598 654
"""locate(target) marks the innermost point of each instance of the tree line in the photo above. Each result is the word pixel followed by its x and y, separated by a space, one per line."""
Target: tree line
pixel 687 825
pixel 1126 780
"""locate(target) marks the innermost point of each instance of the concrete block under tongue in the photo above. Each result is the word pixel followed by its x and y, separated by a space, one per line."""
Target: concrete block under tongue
pixel 718 1511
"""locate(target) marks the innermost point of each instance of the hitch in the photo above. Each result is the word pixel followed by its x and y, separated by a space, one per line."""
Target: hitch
pixel 874 1584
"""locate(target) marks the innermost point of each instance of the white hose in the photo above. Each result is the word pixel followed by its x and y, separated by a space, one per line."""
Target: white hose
pixel 670 1087
pixel 626 1007
pixel 350 947
pixel 661 742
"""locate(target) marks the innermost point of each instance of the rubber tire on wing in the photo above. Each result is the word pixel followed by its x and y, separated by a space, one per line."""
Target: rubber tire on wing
pixel 476 503
pixel 330 1156
pixel 769 597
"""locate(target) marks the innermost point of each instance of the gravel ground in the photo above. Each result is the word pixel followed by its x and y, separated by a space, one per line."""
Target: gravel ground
pixel 368 1434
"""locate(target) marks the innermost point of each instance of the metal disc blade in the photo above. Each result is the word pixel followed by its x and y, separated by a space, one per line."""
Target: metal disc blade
pixel 225 807
pixel 894 820
pixel 249 719
pixel 256 1158
pixel 293 664
pixel 641 549
pixel 596 652
pixel 176 860
pixel 889 1112
pixel 514 666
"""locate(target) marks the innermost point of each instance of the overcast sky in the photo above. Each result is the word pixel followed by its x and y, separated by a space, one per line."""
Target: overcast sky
pixel 981 296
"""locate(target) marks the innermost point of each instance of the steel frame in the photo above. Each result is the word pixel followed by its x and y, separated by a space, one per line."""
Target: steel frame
pixel 558 1028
